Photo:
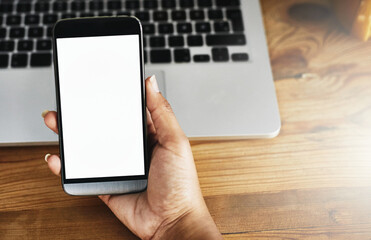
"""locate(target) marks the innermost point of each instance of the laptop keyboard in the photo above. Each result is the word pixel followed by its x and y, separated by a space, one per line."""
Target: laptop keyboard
pixel 174 30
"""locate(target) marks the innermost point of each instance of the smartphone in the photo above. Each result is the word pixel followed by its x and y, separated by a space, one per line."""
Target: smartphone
pixel 99 77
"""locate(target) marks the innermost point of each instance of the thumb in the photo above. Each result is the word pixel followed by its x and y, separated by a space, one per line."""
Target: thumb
pixel 164 121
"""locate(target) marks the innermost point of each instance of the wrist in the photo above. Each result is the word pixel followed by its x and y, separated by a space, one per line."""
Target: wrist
pixel 194 224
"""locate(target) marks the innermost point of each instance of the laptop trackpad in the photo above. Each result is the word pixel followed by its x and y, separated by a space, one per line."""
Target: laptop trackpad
pixel 160 77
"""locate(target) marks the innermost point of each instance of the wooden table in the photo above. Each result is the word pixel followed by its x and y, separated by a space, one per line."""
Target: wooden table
pixel 311 182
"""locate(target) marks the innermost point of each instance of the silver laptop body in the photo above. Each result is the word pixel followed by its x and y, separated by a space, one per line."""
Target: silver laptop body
pixel 212 100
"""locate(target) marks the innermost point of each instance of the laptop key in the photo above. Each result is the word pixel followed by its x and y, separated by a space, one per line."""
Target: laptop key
pixel 197 15
pixel 35 32
pixel 148 28
pixel 6 7
pixel 235 15
pixel 204 3
pixel 32 19
pixel 96 5
pixel 143 16
pixel 186 3
pixel 166 4
pixel 4 60
pixel 203 27
pixel 160 56
pixel 44 45
pixel 240 57
pixel 41 59
pixel 25 45
pixel 86 15
pixel 150 4
pixel 123 13
pixel 68 15
pixel 178 15
pixel 42 6
pixel 221 27
pixel 2 32
pixel 176 41
pixel 6 46
pixel 13 20
pixel 166 28
pixel 78 5
pixel 227 3
pixel 182 55
pixel 220 54
pixel 50 18
pixel 23 7
pixel 157 42
pixel 215 14
pixel 132 4
pixel 184 27
pixel 19 60
pixel 160 16
pixel 49 31
pixel 195 40
pixel 16 33
pixel 227 40
pixel 201 58
pixel 114 5
pixel 60 6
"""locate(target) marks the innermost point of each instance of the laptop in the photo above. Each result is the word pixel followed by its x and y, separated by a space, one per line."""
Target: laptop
pixel 209 56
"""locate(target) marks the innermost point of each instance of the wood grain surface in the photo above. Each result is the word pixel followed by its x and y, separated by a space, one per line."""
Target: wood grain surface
pixel 311 182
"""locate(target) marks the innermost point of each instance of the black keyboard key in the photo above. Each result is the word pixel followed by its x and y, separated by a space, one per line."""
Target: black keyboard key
pixel 203 27
pixel 160 16
pixel 78 6
pixel 23 7
pixel 19 60
pixel 197 15
pixel 182 55
pixel 143 16
pixel 160 56
pixel 42 6
pixel 186 3
pixel 178 15
pixel 1 19
pixel 150 4
pixel 86 15
pixel 227 3
pixel 145 56
pixel 6 7
pixel 41 59
pixel 44 45
pixel 32 19
pixel 96 5
pixel 2 32
pixel 144 41
pixel 49 31
pixel 220 54
pixel 235 15
pixel 184 27
pixel 195 41
pixel 157 42
pixel 166 28
pixel 215 14
pixel 148 28
pixel 201 58
pixel 176 41
pixel 16 33
pixel 240 57
pixel 34 32
pixel 221 27
pixel 227 39
pixel 6 46
pixel 166 4
pixel 132 4
pixel 204 3
pixel 13 20
pixel 25 45
pixel 114 5
pixel 4 60
pixel 60 6
pixel 68 15
pixel 123 13
pixel 50 18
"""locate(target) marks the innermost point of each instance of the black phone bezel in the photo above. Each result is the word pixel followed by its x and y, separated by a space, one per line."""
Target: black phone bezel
pixel 91 27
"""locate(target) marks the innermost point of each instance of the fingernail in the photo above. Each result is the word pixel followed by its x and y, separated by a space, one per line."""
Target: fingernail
pixel 154 83
pixel 47 156
pixel 43 114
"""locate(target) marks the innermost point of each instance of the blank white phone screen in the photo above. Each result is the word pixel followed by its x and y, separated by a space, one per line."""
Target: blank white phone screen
pixel 101 106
